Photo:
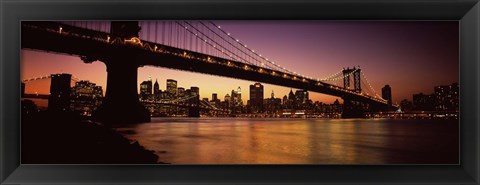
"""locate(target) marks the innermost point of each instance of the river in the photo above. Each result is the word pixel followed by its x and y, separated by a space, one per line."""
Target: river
pixel 298 141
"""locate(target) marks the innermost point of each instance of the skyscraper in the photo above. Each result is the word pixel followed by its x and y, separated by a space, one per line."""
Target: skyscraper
pixel 214 97
pixel 387 94
pixel 256 97
pixel 195 91
pixel 239 95
pixel 86 97
pixel 272 104
pixel 301 97
pixel 60 92
pixel 446 97
pixel 424 102
pixel 156 88
pixel 181 92
pixel 172 87
pixel 227 98
pixel 146 90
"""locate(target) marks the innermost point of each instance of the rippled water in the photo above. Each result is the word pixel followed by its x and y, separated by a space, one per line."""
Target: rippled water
pixel 298 141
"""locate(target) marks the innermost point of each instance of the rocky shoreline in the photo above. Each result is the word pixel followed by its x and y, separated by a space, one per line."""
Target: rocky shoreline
pixel 51 138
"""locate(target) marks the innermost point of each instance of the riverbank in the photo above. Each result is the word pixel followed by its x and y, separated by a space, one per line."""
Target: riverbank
pixel 50 138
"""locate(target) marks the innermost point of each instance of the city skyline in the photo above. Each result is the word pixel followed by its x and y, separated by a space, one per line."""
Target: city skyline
pixel 349 38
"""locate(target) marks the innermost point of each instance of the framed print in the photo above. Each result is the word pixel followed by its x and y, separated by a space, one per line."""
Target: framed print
pixel 240 92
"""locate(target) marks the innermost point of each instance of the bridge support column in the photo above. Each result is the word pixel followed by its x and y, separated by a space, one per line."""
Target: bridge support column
pixel 353 109
pixel 121 104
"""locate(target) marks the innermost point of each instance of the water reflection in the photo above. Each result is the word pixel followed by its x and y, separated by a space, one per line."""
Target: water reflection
pixel 298 141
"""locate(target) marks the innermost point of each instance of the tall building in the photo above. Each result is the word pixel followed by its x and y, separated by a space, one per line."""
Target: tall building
pixel 406 105
pixel 181 92
pixel 454 100
pixel 146 90
pixel 172 87
pixel 423 102
pixel 188 92
pixel 446 97
pixel 227 98
pixel 215 101
pixel 156 90
pixel 387 94
pixel 86 97
pixel 195 91
pixel 239 95
pixel 214 97
pixel 291 100
pixel 301 97
pixel 273 105
pixel 236 102
pixel 256 98
pixel 60 90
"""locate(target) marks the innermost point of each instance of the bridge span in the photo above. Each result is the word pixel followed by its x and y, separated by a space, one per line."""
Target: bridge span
pixel 122 52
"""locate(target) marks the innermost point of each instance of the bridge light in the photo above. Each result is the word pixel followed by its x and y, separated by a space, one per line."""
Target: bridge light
pixel 228 33
pixel 219 27
pixel 108 38
pixel 60 29
pixel 238 40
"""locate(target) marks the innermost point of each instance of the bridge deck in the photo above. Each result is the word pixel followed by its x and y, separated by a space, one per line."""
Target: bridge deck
pixel 97 45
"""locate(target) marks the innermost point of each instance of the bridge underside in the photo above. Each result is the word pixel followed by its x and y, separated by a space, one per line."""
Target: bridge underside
pixel 122 62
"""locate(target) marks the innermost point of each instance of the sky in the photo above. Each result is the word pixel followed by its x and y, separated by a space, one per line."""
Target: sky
pixel 410 56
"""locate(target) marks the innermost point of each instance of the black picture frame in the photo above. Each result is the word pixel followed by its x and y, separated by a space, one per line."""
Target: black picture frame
pixel 467 12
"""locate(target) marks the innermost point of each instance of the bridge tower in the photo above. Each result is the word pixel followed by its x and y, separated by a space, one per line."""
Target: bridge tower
pixel 351 107
pixel 121 103
pixel 194 111
pixel 356 78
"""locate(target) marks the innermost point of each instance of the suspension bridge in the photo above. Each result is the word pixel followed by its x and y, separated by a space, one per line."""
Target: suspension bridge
pixel 195 46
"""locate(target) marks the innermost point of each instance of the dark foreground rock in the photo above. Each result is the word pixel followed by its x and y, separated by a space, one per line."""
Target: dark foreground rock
pixel 54 138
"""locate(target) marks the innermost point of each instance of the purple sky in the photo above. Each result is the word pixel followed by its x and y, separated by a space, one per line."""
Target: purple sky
pixel 411 57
